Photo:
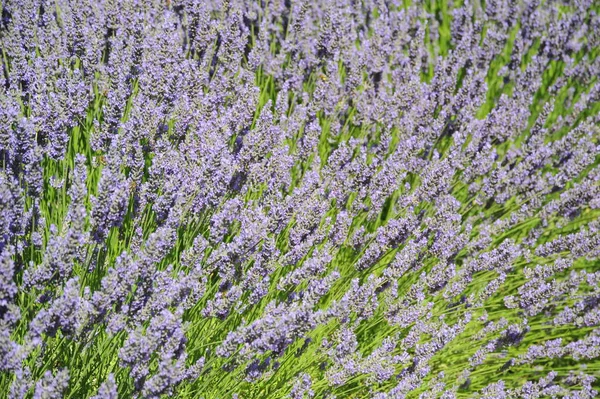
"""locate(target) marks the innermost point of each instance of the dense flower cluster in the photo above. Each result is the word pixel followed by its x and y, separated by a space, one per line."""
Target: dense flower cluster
pixel 301 199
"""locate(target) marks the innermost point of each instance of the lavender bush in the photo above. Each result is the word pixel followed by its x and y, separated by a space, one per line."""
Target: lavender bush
pixel 300 199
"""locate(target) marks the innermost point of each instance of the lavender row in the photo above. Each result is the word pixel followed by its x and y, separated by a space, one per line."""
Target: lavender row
pixel 299 199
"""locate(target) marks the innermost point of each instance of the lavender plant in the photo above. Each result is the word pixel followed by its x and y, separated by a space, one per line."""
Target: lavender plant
pixel 300 199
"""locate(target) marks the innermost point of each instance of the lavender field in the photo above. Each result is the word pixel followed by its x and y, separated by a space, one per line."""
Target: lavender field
pixel 230 199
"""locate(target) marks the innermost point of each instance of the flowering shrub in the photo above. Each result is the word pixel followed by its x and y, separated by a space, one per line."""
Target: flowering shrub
pixel 300 199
